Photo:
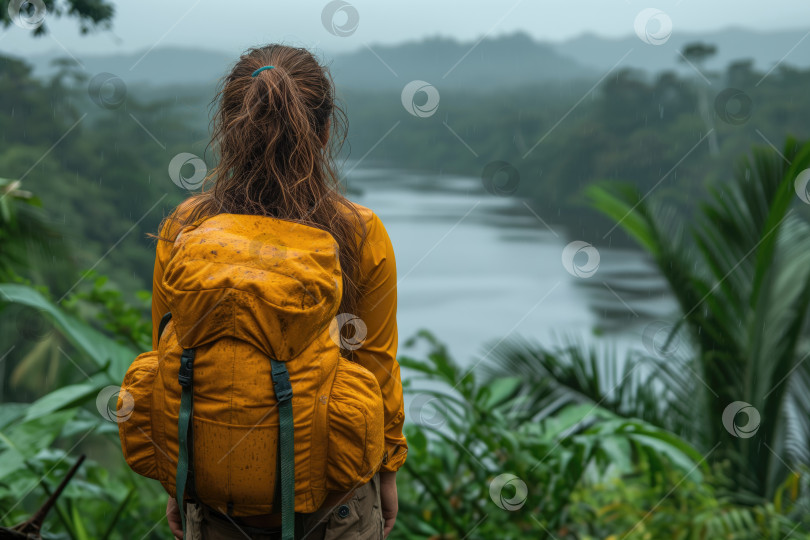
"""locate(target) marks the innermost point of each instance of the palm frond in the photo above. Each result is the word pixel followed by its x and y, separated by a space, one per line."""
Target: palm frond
pixel 573 372
pixel 743 288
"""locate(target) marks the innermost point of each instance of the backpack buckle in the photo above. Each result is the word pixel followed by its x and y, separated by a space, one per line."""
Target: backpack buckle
pixel 186 374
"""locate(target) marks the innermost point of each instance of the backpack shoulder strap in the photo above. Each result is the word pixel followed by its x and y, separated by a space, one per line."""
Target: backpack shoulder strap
pixel 163 322
pixel 286 447
pixel 185 378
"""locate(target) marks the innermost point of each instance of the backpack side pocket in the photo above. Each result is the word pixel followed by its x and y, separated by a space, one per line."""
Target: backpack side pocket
pixel 356 427
pixel 135 415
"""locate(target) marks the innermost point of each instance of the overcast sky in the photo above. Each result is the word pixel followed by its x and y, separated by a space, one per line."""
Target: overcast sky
pixel 233 26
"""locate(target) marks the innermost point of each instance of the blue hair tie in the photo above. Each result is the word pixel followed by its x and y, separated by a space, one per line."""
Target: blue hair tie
pixel 261 69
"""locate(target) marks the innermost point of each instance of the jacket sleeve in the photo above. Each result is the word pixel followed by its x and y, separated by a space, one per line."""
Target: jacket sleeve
pixel 163 251
pixel 377 308
pixel 159 304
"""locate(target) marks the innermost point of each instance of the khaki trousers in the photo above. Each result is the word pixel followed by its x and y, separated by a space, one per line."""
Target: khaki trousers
pixel 359 518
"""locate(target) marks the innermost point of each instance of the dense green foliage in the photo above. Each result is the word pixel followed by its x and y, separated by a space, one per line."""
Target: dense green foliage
pixel 741 278
pixel 742 283
pixel 578 470
pixel 632 127
pixel 39 441
pixel 485 461
pixel 98 159
pixel 100 170
pixel 603 450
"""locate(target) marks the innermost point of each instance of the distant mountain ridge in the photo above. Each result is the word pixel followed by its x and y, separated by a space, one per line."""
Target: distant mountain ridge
pixel 765 49
pixel 496 62
pixel 503 61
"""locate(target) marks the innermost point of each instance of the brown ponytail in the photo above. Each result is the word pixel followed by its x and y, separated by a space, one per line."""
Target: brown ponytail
pixel 268 136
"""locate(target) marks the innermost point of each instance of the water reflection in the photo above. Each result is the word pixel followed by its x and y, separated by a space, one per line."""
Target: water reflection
pixel 475 268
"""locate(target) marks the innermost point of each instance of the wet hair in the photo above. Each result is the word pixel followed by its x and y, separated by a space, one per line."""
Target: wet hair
pixel 268 138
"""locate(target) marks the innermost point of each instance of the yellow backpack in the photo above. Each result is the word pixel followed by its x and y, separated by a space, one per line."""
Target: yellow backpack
pixel 247 403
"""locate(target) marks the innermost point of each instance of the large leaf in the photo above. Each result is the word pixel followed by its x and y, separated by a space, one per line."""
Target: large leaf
pixel 67 397
pixel 25 439
pixel 99 348
pixel 575 372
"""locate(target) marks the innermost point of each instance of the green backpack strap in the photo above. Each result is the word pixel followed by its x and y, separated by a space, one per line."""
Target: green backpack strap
pixel 286 453
pixel 286 446
pixel 185 377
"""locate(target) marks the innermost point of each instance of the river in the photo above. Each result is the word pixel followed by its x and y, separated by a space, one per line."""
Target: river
pixel 475 268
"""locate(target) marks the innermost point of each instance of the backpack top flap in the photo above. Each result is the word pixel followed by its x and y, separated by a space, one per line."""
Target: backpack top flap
pixel 273 283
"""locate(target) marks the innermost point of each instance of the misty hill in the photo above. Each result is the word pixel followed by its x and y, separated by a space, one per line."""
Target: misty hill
pixel 160 66
pixel 764 48
pixel 495 62
pixel 504 61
